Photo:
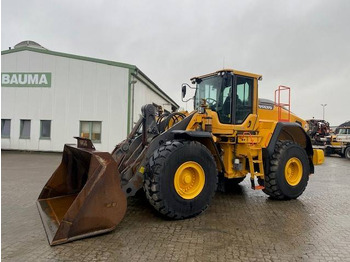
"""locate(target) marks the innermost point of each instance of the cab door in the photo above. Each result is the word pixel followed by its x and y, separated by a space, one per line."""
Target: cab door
pixel 244 103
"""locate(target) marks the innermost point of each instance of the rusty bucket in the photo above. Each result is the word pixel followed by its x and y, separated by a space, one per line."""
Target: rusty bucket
pixel 83 197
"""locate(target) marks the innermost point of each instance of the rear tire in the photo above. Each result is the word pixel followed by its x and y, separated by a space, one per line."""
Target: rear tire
pixel 347 153
pixel 181 179
pixel 289 171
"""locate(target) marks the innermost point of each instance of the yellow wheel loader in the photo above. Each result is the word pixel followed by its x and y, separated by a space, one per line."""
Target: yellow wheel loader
pixel 180 160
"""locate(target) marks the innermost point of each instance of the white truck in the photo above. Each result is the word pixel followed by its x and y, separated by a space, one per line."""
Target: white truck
pixel 339 143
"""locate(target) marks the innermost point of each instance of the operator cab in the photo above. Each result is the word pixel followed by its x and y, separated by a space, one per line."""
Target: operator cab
pixel 227 92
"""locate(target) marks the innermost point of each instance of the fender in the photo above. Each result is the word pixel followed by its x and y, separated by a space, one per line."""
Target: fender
pixel 293 132
pixel 204 138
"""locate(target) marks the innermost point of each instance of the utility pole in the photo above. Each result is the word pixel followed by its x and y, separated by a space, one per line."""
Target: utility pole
pixel 323 105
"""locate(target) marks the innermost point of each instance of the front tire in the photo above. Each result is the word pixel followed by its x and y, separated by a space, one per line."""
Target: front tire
pixel 289 171
pixel 181 179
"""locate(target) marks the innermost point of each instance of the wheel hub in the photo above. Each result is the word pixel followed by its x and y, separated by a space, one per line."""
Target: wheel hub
pixel 189 180
pixel 293 171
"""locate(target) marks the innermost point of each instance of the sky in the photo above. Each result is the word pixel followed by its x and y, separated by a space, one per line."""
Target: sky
pixel 301 44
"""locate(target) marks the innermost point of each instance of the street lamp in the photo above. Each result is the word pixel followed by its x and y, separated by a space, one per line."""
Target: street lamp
pixel 323 105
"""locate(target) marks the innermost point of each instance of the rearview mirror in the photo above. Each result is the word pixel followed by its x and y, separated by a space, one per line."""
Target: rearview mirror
pixel 183 91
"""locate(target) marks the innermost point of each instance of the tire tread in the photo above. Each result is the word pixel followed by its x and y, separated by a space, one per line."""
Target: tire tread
pixel 152 178
pixel 270 183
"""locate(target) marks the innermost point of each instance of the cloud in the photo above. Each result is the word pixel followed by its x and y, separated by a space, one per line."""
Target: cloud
pixel 303 44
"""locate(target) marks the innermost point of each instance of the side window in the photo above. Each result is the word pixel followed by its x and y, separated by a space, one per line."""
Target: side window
pixel 5 128
pixel 244 99
pixel 91 130
pixel 24 129
pixel 45 129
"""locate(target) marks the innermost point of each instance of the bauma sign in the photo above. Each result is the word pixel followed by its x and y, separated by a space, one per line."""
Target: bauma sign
pixel 26 79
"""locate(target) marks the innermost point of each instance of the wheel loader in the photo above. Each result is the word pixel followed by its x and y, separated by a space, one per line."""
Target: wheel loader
pixel 180 160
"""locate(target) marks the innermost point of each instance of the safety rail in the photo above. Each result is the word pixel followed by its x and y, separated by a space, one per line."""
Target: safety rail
pixel 280 105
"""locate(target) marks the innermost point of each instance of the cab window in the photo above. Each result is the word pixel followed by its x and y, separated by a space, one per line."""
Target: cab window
pixel 244 99
pixel 224 103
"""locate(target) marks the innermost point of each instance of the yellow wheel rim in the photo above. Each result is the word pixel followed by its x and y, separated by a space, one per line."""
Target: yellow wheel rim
pixel 293 171
pixel 189 180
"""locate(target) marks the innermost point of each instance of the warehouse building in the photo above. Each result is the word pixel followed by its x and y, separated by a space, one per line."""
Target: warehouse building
pixel 48 97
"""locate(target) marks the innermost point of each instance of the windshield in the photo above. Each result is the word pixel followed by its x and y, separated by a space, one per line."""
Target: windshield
pixel 216 90
pixel 343 131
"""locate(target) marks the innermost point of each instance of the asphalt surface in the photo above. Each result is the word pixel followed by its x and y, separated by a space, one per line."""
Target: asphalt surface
pixel 241 225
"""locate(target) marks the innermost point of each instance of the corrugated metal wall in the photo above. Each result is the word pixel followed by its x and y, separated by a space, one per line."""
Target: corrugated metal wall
pixel 143 94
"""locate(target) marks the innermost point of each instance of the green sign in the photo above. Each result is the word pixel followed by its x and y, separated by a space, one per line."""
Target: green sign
pixel 26 79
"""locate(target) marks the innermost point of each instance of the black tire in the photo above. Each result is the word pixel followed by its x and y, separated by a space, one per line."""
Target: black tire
pixel 347 152
pixel 276 185
pixel 159 179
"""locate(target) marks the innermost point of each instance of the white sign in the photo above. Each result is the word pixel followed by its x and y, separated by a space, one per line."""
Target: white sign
pixel 26 79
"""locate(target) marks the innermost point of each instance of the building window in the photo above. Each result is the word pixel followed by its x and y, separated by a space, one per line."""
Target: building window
pixel 24 129
pixel 45 129
pixel 91 130
pixel 5 128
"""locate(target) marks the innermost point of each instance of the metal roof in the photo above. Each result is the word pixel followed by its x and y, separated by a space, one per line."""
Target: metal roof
pixel 133 68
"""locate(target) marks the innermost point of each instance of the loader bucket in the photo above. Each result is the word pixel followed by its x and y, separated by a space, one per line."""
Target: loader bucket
pixel 83 197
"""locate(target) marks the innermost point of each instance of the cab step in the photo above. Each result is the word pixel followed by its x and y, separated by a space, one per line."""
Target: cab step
pixel 255 187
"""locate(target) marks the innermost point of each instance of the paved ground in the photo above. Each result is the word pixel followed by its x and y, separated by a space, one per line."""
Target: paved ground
pixel 240 225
